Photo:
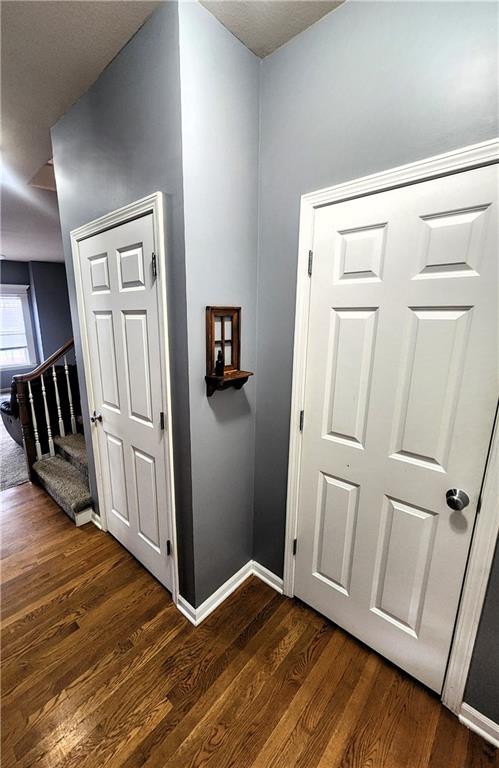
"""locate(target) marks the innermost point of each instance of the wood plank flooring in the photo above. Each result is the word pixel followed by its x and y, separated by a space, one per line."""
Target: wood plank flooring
pixel 100 669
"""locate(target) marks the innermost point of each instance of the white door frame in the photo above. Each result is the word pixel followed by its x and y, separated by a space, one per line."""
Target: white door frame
pixel 487 521
pixel 151 204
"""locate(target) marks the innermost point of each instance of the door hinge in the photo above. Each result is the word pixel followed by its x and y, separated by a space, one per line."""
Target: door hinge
pixel 168 548
pixel 295 544
pixel 154 267
pixel 302 416
pixel 310 262
pixel 161 420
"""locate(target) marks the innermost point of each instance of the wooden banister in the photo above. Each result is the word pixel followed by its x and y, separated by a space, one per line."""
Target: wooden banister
pixel 22 377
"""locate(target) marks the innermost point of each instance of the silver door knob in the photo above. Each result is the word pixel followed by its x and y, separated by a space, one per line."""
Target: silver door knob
pixel 457 499
pixel 95 417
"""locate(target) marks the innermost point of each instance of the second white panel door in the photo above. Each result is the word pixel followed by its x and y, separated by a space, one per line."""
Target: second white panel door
pixel 125 349
pixel 400 395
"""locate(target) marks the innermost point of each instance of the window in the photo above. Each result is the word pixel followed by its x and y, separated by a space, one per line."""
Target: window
pixel 17 347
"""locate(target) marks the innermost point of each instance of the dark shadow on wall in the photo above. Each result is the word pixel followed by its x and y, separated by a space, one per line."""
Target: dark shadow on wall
pixel 52 316
pixel 229 405
pixel 482 688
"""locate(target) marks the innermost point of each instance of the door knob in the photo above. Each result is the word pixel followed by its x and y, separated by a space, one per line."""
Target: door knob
pixel 457 499
pixel 95 417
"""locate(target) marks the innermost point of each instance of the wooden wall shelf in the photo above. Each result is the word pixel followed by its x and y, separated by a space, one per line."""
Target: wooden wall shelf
pixel 236 379
pixel 223 349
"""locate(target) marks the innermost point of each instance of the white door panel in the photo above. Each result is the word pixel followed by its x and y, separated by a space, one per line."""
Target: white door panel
pixel 122 318
pixel 400 394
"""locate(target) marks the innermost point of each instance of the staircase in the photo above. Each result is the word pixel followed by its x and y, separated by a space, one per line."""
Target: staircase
pixel 65 477
pixel 50 416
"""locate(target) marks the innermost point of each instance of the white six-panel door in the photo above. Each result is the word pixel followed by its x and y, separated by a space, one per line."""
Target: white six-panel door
pixel 122 318
pixel 400 394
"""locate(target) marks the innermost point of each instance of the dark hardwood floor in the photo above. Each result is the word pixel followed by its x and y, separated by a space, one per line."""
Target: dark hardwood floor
pixel 100 669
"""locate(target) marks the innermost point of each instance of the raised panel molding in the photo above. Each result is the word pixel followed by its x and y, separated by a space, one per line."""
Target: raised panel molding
pixel 362 253
pixel 99 273
pixel 131 268
pixel 427 397
pixel 453 243
pixel 402 563
pixel 350 360
pixel 137 363
pixel 104 329
pixel 336 520
pixel 117 475
pixel 147 501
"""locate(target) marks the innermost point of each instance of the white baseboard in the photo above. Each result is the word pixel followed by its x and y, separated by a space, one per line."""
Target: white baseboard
pixel 187 609
pixel 268 577
pixel 197 615
pixel 96 520
pixel 85 516
pixel 480 724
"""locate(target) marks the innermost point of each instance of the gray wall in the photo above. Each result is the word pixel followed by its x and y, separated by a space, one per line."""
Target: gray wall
pixel 220 84
pixel 49 294
pixel 482 689
pixel 120 142
pixel 371 86
pixel 16 273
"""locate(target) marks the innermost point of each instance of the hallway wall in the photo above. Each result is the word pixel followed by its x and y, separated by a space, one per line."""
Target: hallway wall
pixel 371 86
pixel 219 91
pixel 185 68
pixel 482 689
pixel 120 142
pixel 49 294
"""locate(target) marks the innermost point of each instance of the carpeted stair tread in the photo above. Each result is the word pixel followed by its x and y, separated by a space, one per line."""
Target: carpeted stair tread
pixel 67 486
pixel 72 448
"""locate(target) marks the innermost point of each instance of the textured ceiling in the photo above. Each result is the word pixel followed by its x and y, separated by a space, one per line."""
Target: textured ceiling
pixel 52 51
pixel 264 25
pixel 30 226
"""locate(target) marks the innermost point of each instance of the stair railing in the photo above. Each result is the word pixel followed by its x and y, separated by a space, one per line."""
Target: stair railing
pixel 31 428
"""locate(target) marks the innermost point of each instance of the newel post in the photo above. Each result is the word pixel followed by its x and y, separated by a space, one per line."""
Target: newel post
pixel 24 417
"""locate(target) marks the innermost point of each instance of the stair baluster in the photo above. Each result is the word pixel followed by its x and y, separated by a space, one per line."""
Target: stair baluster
pixel 70 397
pixel 62 431
pixel 29 397
pixel 47 417
pixel 38 447
pixel 29 447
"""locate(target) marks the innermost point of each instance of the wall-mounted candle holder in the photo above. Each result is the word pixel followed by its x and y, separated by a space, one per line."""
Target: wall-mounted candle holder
pixel 223 349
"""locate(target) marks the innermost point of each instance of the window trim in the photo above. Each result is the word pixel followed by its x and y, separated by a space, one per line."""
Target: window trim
pixel 22 291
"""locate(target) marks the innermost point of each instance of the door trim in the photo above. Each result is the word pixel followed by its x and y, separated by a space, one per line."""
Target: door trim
pixel 487 522
pixel 476 578
pixel 153 204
